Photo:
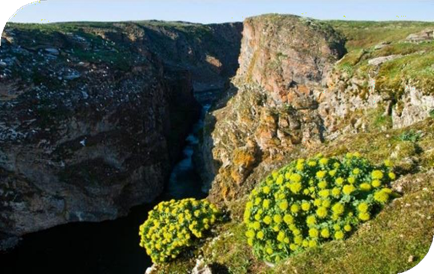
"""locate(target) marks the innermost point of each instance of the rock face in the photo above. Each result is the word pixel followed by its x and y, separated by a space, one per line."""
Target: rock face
pixel 92 117
pixel 293 92
pixel 283 64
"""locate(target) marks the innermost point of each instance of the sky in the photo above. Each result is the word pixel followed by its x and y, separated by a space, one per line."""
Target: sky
pixel 218 11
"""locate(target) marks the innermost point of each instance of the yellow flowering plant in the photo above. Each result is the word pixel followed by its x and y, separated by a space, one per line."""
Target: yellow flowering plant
pixel 173 226
pixel 311 201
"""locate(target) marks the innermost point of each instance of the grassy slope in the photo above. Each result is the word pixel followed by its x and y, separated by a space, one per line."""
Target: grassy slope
pixel 416 67
pixel 394 241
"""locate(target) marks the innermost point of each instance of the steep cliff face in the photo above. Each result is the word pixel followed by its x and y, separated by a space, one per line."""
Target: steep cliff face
pixel 293 92
pixel 283 64
pixel 93 115
pixel 385 80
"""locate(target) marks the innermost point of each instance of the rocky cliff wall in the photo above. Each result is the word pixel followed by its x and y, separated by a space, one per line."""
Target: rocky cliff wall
pixel 271 107
pixel 93 115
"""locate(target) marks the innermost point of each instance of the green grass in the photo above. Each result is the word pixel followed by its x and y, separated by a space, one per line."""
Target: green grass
pixel 414 67
pixel 410 135
pixel 394 241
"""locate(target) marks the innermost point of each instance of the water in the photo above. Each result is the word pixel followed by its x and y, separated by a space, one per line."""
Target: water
pixel 106 247
pixel 184 180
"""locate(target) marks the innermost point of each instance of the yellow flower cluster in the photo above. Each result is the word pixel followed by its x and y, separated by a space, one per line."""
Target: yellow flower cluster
pixel 311 201
pixel 173 225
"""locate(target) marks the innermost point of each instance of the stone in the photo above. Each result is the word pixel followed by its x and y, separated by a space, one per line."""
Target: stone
pixel 380 60
pixel 52 51
pixel 201 268
pixel 3 64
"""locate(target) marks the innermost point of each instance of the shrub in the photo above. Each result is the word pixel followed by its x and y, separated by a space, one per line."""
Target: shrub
pixel 410 136
pixel 431 113
pixel 312 201
pixel 174 225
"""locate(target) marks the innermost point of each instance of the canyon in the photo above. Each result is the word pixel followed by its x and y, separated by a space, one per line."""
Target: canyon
pixel 94 116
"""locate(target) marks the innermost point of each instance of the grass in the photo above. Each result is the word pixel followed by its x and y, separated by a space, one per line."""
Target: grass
pixel 410 135
pixel 394 241
pixel 414 67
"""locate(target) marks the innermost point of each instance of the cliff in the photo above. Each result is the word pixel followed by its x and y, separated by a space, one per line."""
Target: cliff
pixel 306 87
pixel 94 115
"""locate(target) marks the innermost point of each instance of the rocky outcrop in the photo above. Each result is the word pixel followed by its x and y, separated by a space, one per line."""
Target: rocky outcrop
pixel 92 116
pixel 283 64
pixel 293 92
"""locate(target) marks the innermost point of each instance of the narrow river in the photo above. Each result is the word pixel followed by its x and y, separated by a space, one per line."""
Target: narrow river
pixel 106 247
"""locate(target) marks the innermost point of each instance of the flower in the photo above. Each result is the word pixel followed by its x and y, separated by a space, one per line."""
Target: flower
pixel 332 173
pixel 307 203
pixel 338 209
pixel 300 166
pixel 320 174
pixel 322 184
pixel 277 219
pixel 392 175
pixel 305 206
pixel 250 234
pixel 364 216
pixel 295 208
pixel 363 207
pixel 312 243
pixel 295 177
pixel 324 193
pixel 381 196
pixel 323 161
pixel 376 183
pixel 348 189
pixel 377 174
pixel 266 203
pixel 267 220
pixel 365 187
pixel 311 220
pixel 336 192
pixel 266 189
pixel 325 233
pixel 280 180
pixel 339 235
pixel 326 203
pixel 281 236
pixel 283 205
pixel 295 187
pixel 311 163
pixel 313 232
pixel 321 212
pixel 388 163
pixel 288 219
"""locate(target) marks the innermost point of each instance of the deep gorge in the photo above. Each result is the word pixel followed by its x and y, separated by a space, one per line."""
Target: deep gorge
pixel 100 121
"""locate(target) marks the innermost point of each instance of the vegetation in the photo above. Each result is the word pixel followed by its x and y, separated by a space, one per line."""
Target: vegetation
pixel 413 64
pixel 312 201
pixel 172 226
pixel 410 135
